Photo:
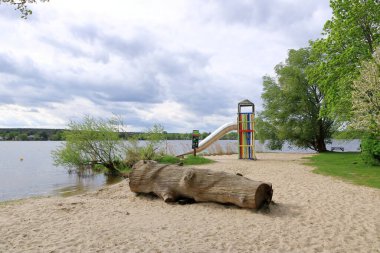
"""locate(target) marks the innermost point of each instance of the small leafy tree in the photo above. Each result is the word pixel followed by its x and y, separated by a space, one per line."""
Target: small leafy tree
pixel 366 108
pixel 93 141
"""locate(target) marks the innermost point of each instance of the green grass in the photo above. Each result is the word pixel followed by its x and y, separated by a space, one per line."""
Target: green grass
pixel 188 160
pixel 196 160
pixel 347 166
pixel 168 159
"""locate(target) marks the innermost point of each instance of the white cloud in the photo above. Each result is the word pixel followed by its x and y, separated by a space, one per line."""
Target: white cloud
pixel 185 63
pixel 20 116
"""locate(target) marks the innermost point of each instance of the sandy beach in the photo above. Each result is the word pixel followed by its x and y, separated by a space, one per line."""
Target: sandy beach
pixel 312 213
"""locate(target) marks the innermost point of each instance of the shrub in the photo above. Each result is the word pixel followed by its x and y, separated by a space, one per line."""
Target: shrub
pixel 150 150
pixel 89 142
pixel 371 148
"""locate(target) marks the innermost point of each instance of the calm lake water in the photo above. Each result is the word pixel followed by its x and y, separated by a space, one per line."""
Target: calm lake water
pixel 26 168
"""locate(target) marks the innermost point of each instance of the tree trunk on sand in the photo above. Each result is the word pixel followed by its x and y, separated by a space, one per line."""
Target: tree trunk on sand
pixel 173 182
pixel 321 136
pixel 321 145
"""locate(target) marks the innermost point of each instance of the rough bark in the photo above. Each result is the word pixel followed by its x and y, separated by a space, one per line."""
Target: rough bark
pixel 173 182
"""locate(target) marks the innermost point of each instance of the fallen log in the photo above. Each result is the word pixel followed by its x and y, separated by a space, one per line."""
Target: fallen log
pixel 174 182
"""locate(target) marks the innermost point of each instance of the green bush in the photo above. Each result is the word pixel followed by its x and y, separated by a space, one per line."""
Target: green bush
pixel 371 148
pixel 99 168
pixel 94 145
pixel 136 153
pixel 150 151
pixel 91 141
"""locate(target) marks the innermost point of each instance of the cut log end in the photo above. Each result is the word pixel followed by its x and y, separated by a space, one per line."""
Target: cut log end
pixel 263 195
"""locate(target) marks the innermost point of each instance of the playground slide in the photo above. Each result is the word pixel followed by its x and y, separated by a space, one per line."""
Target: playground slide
pixel 214 136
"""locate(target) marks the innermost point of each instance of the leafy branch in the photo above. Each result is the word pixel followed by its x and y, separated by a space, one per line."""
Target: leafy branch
pixel 21 6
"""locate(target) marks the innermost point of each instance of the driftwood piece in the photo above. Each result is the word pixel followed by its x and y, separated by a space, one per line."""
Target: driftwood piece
pixel 173 182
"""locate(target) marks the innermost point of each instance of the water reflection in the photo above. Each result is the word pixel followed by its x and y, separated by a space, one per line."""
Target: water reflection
pixel 85 183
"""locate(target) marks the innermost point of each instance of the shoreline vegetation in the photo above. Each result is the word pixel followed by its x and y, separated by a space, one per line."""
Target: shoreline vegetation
pixel 42 134
pixel 164 159
pixel 56 134
pixel 96 144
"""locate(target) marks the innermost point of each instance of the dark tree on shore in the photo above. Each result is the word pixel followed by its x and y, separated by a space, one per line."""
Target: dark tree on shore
pixel 292 106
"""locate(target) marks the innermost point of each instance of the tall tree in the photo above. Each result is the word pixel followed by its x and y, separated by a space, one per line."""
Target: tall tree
pixel 366 108
pixel 366 96
pixel 292 106
pixel 351 36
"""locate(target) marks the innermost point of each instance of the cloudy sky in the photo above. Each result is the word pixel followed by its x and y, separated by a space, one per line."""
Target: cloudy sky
pixel 184 64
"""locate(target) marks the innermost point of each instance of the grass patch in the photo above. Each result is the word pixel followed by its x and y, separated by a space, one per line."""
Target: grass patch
pixel 125 170
pixel 196 160
pixel 188 160
pixel 347 166
pixel 168 159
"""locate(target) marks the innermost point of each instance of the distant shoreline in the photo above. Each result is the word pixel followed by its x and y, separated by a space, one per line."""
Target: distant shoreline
pixel 56 134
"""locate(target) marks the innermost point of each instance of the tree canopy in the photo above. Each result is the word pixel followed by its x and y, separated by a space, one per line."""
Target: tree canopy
pixel 351 36
pixel 292 106
pixel 366 108
pixel 91 141
pixel 366 96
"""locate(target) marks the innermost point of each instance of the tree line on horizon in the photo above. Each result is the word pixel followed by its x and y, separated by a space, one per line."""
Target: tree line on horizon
pixel 41 134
